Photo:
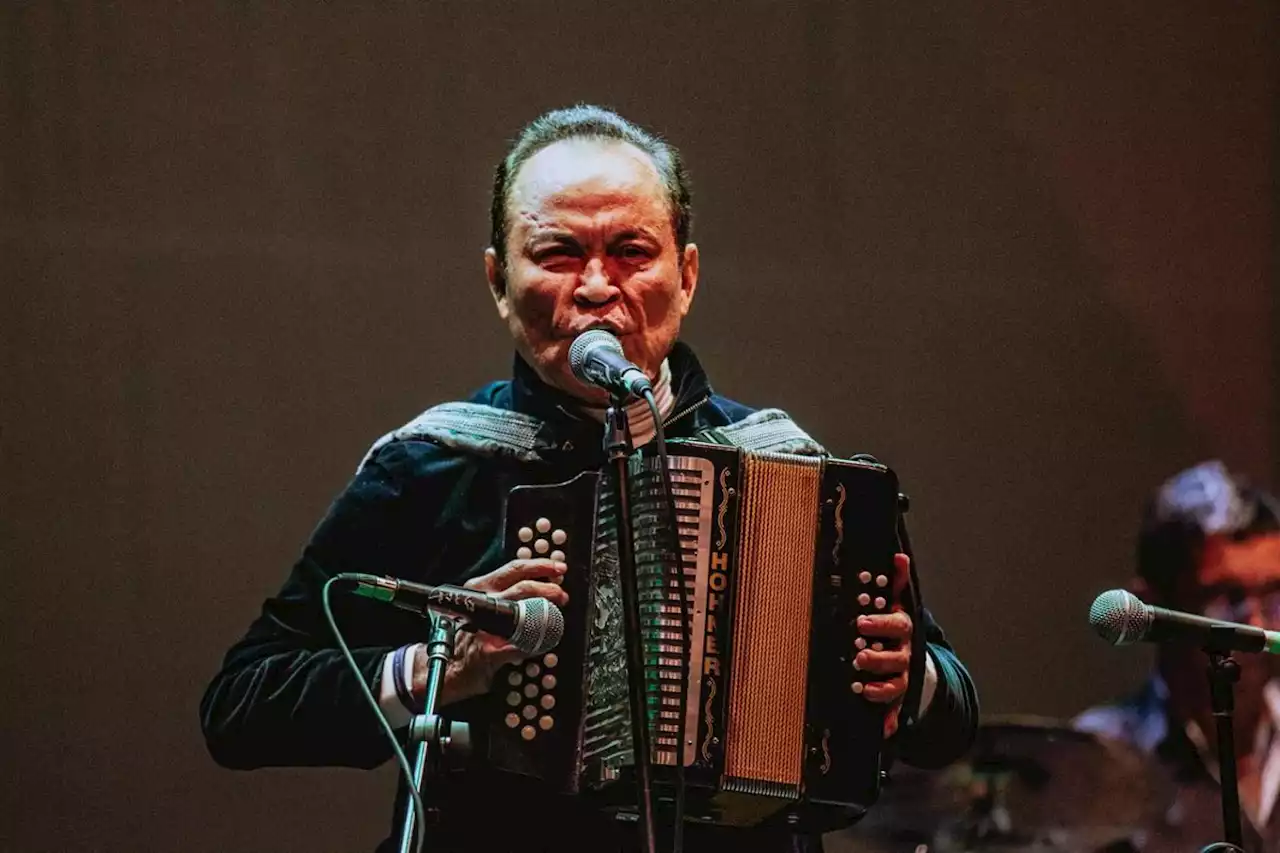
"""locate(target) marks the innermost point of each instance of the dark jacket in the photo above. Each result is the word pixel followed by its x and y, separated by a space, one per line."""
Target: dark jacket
pixel 422 511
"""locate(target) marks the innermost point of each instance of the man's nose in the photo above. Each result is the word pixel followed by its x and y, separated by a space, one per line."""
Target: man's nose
pixel 594 285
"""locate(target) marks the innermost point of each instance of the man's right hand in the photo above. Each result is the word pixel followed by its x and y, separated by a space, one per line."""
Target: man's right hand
pixel 478 656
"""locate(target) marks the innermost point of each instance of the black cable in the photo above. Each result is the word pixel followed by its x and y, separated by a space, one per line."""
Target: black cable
pixel 685 630
pixel 419 808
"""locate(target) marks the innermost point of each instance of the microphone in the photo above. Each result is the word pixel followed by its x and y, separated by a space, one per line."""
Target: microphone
pixel 532 625
pixel 1121 618
pixel 596 358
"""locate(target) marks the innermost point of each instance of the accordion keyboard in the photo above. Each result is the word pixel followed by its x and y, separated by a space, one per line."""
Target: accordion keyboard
pixel 531 686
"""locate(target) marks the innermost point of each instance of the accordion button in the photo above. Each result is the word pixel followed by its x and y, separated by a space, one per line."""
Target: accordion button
pixel 531 669
pixel 513 698
pixel 864 577
pixel 880 603
pixel 877 647
pixel 531 690
pixel 529 712
pixel 864 599
pixel 514 678
pixel 526 534
pixel 524 554
pixel 559 536
pixel 548 682
pixel 542 546
pixel 528 733
pixel 859 644
pixel 558 556
pixel 857 687
pixel 512 720
pixel 550 660
pixel 882 580
pixel 547 701
pixel 545 723
pixel 542 525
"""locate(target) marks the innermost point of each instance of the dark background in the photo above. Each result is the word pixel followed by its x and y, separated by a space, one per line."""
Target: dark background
pixel 1024 252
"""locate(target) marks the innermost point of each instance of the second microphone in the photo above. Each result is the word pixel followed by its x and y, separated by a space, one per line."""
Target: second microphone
pixel 532 625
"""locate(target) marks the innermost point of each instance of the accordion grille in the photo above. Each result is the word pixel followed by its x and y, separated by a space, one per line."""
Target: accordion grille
pixel 772 610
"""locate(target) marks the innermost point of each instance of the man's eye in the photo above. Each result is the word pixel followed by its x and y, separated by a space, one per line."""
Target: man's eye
pixel 633 252
pixel 554 255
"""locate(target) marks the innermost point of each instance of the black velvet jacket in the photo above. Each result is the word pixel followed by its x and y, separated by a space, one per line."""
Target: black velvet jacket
pixel 420 511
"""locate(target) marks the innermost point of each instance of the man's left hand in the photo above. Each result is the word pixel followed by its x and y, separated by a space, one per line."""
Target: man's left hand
pixel 893 663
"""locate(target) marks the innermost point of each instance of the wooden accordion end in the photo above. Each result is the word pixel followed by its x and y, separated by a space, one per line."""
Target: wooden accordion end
pixel 759 700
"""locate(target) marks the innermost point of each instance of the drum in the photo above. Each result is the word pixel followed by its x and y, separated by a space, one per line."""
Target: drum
pixel 1028 784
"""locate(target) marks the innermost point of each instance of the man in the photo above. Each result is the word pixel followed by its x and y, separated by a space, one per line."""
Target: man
pixel 1209 544
pixel 590 229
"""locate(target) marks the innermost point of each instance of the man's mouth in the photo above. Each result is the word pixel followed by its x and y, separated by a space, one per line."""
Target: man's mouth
pixel 578 328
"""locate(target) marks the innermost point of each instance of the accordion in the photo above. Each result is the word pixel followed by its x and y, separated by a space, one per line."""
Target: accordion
pixel 758 700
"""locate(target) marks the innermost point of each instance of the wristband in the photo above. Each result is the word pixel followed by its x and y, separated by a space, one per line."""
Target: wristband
pixel 407 699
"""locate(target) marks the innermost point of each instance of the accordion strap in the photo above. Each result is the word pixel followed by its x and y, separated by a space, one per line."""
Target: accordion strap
pixel 482 430
pixel 472 428
pixel 765 431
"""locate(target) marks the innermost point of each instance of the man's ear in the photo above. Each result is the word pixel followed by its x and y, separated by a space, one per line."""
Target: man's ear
pixel 494 272
pixel 688 276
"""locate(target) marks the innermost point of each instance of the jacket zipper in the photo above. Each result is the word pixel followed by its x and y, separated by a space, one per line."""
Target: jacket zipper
pixel 686 411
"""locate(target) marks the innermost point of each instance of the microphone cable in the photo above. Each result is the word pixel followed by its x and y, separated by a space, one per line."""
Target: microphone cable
pixel 674 530
pixel 418 808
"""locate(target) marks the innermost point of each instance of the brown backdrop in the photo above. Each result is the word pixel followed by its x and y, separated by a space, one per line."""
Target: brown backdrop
pixel 1023 253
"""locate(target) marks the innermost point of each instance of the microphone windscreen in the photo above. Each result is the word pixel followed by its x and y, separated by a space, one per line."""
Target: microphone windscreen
pixel 1120 617
pixel 539 626
pixel 587 341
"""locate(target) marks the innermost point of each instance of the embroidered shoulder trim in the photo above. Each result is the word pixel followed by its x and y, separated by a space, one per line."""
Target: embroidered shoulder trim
pixel 771 431
pixel 472 428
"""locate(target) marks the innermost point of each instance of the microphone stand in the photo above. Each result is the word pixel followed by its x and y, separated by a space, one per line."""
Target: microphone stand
pixel 617 444
pixel 429 732
pixel 1224 672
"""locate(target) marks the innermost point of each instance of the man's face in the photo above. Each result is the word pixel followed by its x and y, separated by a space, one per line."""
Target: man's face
pixel 590 244
pixel 1235 581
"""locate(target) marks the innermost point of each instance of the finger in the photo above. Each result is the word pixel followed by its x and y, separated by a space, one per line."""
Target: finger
pixel 884 692
pixel 892 662
pixel 515 571
pixel 505 654
pixel 535 589
pixel 901 574
pixel 891 626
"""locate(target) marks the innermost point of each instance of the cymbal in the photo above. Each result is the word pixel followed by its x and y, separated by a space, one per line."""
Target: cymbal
pixel 1028 783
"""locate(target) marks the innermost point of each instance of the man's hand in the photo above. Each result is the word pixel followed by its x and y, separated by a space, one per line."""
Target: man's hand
pixel 894 661
pixel 478 656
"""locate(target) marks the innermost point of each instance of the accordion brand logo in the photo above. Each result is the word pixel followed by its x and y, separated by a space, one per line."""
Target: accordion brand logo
pixel 717 583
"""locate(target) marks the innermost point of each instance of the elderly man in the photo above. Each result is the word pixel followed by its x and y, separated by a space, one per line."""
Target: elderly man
pixel 590 229
pixel 1210 544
